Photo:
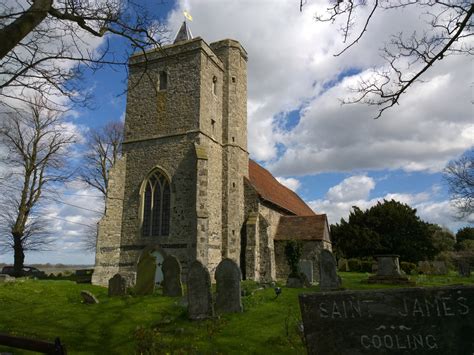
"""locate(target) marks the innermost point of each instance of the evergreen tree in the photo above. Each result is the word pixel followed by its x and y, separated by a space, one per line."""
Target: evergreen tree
pixel 389 227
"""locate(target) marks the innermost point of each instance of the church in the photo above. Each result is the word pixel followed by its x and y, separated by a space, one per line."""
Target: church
pixel 185 185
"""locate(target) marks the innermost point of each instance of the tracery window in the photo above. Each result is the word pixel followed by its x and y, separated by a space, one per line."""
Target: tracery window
pixel 156 206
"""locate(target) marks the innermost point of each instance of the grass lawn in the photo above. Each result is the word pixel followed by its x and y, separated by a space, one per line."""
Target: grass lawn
pixel 155 324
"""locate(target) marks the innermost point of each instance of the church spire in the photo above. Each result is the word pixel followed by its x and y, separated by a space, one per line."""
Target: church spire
pixel 184 33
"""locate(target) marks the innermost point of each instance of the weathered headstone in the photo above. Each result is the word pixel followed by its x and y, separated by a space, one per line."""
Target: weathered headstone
pixel 388 265
pixel 328 278
pixel 424 267
pixel 199 292
pixel 343 265
pixel 388 271
pixel 146 269
pixel 306 267
pixel 88 297
pixel 228 276
pixel 464 268
pixel 172 285
pixel 117 285
pixel 436 320
pixel 439 268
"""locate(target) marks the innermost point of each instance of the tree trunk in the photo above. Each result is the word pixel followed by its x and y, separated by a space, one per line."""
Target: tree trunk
pixel 19 257
pixel 14 32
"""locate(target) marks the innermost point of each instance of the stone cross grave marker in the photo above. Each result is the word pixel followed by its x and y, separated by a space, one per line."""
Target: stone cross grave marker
pixel 199 292
pixel 328 278
pixel 464 268
pixel 436 320
pixel 117 286
pixel 172 285
pixel 146 269
pixel 228 278
pixel 306 267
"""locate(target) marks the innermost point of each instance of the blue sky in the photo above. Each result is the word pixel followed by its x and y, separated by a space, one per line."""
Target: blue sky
pixel 334 156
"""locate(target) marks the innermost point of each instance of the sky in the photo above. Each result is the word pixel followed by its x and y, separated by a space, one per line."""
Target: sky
pixel 334 156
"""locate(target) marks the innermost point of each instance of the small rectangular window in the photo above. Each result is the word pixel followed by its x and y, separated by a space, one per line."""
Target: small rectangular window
pixel 163 80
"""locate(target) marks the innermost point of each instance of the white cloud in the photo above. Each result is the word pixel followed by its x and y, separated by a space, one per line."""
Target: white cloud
pixel 290 62
pixel 291 183
pixel 353 188
pixel 340 199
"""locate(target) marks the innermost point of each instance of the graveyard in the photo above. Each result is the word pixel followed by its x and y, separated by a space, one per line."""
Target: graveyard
pixel 45 309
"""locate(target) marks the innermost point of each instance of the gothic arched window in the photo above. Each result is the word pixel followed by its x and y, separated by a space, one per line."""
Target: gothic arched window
pixel 156 206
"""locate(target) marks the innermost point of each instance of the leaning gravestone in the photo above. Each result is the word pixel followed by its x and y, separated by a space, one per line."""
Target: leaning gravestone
pixel 199 292
pixel 172 285
pixel 89 298
pixel 436 320
pixel 328 278
pixel 228 276
pixel 146 269
pixel 464 268
pixel 306 267
pixel 117 286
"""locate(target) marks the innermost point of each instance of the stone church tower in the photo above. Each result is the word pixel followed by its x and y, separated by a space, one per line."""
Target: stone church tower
pixel 186 127
pixel 183 186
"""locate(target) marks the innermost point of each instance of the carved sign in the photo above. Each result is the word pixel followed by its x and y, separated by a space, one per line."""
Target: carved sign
pixel 403 321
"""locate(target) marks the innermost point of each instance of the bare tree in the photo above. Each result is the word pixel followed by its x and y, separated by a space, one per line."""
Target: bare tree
pixel 104 147
pixel 37 142
pixel 45 45
pixel 408 57
pixel 459 175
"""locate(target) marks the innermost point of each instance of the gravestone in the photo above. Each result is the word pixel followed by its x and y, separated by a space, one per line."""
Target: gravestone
pixel 89 298
pixel 117 286
pixel 146 269
pixel 343 265
pixel 306 267
pixel 328 278
pixel 439 268
pixel 199 292
pixel 437 320
pixel 228 276
pixel 172 285
pixel 6 278
pixel 464 268
pixel 424 267
pixel 388 271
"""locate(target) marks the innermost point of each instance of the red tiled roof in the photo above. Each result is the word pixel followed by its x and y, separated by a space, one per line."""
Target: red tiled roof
pixel 301 227
pixel 272 191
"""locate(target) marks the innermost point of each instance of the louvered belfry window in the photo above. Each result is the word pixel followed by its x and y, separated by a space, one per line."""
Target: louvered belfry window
pixel 156 206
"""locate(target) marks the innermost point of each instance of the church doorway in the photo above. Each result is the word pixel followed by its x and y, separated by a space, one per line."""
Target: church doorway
pixel 159 272
pixel 243 248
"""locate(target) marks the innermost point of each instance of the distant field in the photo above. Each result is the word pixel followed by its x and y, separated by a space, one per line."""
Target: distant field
pixel 55 268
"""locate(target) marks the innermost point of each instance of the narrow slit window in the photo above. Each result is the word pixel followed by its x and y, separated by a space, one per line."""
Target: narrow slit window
pixel 214 85
pixel 163 80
